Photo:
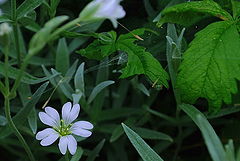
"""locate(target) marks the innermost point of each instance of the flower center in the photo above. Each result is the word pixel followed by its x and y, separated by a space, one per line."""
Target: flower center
pixel 64 129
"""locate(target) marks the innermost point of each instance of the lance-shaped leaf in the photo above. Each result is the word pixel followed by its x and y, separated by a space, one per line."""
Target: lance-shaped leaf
pixel 190 12
pixel 211 65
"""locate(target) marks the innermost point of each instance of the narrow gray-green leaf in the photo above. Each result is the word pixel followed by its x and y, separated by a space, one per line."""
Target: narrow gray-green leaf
pixel 27 6
pixel 212 141
pixel 77 156
pixel 79 78
pixel 98 89
pixel 94 153
pixel 144 150
pixel 62 56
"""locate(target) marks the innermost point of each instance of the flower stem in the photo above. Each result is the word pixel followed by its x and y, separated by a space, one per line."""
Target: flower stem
pixel 15 130
pixel 7 103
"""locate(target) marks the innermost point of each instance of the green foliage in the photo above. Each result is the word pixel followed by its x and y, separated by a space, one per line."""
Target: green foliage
pixel 210 67
pixel 190 12
pixel 141 146
pixel 139 60
pixel 212 141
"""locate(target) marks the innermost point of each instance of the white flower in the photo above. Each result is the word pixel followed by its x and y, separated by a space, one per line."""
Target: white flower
pixel 103 9
pixel 5 28
pixel 63 128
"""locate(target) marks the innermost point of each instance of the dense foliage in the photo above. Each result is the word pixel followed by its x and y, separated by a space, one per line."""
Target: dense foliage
pixel 149 76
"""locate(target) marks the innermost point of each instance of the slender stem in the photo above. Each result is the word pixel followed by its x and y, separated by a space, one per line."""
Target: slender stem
pixel 15 30
pixel 17 44
pixel 64 27
pixel 15 130
pixel 13 9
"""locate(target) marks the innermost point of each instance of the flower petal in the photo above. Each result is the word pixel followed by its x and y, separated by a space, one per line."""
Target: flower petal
pixel 53 113
pixel 81 132
pixel 72 144
pixel 46 119
pixel 44 133
pixel 66 111
pixel 73 113
pixel 49 139
pixel 63 142
pixel 82 125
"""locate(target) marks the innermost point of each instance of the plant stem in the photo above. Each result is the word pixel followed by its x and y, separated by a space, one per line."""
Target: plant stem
pixel 15 130
pixel 15 30
pixel 7 104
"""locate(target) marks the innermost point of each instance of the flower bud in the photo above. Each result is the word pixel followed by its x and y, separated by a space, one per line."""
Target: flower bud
pixel 103 9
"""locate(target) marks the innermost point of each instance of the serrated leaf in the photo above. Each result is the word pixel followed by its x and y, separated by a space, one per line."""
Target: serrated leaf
pixel 27 6
pixel 62 56
pixel 140 61
pixel 212 141
pixel 210 67
pixel 190 12
pixel 144 150
pixel 100 48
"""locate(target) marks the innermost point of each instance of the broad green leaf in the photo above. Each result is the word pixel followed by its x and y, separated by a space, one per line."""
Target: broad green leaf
pixel 27 78
pixel 212 141
pixel 29 24
pixel 79 78
pixel 151 134
pixel 95 152
pixel 77 156
pixel 235 8
pixel 140 61
pixel 144 150
pixel 40 39
pixel 22 115
pixel 62 56
pixel 27 6
pixel 100 48
pixel 190 12
pixel 210 65
pixel 98 89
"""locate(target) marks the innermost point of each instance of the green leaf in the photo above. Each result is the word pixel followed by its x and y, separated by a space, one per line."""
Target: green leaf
pixel 94 153
pixel 235 8
pixel 27 6
pixel 32 120
pixel 40 39
pixel 210 67
pixel 27 78
pixel 77 156
pixel 212 141
pixel 98 89
pixel 190 12
pixel 140 61
pixel 79 78
pixel 22 115
pixel 62 56
pixel 230 151
pixel 100 48
pixel 144 150
pixel 151 134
